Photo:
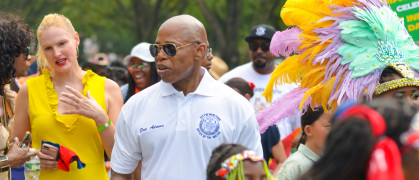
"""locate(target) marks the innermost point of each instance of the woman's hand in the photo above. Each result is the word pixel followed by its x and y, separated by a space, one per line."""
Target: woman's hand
pixel 47 161
pixel 87 107
pixel 18 156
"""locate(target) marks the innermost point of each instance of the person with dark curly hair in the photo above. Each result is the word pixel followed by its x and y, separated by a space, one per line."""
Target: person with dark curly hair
pixel 15 37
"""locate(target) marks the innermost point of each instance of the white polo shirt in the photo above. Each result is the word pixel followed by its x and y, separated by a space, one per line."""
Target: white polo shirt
pixel 174 135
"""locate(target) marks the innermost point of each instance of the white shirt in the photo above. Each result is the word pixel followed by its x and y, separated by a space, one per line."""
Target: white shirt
pixel 248 73
pixel 297 163
pixel 174 135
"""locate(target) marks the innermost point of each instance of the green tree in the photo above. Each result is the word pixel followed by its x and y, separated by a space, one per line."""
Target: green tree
pixel 145 16
pixel 230 21
pixel 117 25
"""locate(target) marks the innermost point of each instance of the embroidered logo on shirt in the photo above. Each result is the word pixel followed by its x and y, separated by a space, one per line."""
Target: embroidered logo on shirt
pixel 151 127
pixel 209 127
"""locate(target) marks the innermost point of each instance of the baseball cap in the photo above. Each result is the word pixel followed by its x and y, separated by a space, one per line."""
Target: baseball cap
pixel 261 31
pixel 142 52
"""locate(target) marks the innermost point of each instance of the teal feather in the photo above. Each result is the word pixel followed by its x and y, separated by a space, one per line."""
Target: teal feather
pixel 362 37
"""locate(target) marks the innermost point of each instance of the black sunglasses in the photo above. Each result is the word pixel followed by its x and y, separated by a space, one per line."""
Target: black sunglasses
pixel 26 52
pixel 168 48
pixel 255 46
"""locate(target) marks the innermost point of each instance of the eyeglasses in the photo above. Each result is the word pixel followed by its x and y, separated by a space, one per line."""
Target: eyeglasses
pixel 209 51
pixel 26 52
pixel 255 46
pixel 168 48
pixel 143 66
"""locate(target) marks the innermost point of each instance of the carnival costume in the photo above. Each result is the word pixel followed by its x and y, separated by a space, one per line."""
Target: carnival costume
pixel 342 48
pixel 232 168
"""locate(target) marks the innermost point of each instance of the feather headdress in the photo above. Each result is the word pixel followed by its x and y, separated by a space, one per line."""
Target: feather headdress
pixel 344 47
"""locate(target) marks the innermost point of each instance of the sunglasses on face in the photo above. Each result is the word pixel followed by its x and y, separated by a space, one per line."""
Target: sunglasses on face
pixel 26 52
pixel 168 48
pixel 143 66
pixel 209 51
pixel 255 46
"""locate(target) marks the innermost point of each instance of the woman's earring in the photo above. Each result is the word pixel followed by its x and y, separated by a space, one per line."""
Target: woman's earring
pixel 77 49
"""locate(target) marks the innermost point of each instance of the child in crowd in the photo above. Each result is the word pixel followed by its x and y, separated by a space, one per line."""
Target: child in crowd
pixel 234 161
pixel 242 87
pixel 273 149
pixel 315 127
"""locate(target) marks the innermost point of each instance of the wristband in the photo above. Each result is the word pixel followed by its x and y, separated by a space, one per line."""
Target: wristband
pixel 101 128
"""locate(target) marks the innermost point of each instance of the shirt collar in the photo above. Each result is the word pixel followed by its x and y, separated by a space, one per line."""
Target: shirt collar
pixel 308 153
pixel 205 87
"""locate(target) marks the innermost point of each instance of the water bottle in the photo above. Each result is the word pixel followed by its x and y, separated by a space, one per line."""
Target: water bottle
pixel 32 168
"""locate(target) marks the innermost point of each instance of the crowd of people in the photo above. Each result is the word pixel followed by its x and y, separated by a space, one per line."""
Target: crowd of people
pixel 344 104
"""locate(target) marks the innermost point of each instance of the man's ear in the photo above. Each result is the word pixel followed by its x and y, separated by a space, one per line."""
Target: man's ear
pixel 201 51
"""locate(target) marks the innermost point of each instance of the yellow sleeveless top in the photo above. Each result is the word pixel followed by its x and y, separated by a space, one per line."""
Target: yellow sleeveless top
pixel 75 132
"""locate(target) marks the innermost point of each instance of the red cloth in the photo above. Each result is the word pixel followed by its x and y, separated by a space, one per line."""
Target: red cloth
pixel 385 161
pixel 67 156
pixel 287 141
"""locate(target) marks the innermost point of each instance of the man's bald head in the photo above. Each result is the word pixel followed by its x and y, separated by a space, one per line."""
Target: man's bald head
pixel 186 28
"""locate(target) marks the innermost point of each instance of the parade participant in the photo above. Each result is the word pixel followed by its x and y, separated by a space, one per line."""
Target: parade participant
pixel 396 82
pixel 208 61
pixel 165 128
pixel 273 149
pixel 65 105
pixel 142 70
pixel 15 38
pixel 234 161
pixel 260 67
pixel 242 87
pixel 344 47
pixel 315 127
pixel 259 71
pixel 365 142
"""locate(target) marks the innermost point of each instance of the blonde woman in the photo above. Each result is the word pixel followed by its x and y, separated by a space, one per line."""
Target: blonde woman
pixel 66 105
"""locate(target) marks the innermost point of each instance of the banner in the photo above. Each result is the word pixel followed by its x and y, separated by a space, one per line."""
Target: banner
pixel 409 11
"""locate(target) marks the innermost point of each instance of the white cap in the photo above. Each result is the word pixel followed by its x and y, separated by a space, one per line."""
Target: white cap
pixel 141 51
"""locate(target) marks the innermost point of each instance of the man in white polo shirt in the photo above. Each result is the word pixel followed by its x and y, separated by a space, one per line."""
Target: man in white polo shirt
pixel 173 126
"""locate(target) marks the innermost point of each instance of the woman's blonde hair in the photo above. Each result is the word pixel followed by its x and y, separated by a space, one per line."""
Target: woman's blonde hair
pixel 50 20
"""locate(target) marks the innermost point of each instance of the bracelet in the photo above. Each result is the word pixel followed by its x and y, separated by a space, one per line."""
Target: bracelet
pixel 101 128
pixel 3 158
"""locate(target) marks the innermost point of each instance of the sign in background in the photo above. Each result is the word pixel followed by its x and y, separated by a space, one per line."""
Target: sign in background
pixel 409 11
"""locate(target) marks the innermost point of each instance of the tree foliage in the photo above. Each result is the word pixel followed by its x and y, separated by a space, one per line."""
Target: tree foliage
pixel 117 25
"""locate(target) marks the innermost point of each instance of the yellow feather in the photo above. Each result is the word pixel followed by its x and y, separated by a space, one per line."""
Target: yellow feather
pixel 288 71
pixel 303 12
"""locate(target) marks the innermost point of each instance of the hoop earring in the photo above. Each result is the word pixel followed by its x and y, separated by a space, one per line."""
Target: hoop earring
pixel 77 49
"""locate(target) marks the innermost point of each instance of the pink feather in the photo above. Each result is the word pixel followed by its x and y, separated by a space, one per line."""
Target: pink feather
pixel 286 42
pixel 285 106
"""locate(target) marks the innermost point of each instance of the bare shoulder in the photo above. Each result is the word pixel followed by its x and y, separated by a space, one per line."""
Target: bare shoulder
pixel 23 91
pixel 113 92
pixel 111 85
